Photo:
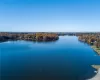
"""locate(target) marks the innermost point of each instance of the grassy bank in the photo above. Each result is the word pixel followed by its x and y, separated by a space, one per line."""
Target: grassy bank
pixel 96 49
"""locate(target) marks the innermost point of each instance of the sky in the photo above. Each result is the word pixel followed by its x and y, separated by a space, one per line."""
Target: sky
pixel 50 15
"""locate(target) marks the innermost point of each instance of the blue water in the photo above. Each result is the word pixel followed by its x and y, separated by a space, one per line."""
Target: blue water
pixel 65 59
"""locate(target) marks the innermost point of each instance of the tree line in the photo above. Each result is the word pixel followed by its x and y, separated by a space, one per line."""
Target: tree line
pixel 29 36
pixel 92 39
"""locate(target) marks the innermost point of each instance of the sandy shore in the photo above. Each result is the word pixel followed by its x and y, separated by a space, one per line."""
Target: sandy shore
pixel 97 76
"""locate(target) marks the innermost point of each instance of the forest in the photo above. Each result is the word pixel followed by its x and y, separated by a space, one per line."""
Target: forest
pixel 92 39
pixel 5 36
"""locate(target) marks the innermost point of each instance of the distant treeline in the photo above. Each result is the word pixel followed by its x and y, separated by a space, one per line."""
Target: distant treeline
pixel 4 36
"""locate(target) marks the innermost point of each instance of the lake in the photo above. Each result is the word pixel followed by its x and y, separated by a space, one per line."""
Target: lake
pixel 65 59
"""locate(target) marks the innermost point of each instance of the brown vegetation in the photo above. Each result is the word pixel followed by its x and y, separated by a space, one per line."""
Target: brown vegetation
pixel 29 36
pixel 92 39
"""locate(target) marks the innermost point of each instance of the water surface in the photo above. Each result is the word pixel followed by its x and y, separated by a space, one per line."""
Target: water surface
pixel 65 59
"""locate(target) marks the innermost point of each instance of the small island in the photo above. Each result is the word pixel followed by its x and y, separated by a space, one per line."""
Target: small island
pixel 6 36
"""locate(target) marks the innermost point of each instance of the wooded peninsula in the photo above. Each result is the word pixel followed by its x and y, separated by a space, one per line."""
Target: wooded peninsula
pixel 5 36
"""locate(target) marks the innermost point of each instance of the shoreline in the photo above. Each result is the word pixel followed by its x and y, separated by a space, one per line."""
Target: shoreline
pixel 96 50
pixel 97 76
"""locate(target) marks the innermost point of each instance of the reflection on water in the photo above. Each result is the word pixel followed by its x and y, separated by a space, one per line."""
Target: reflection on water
pixel 65 59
